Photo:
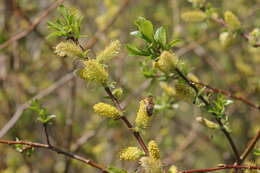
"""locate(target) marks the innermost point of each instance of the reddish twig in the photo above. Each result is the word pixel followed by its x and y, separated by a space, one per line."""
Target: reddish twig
pixel 220 168
pixel 34 24
pixel 126 121
pixel 249 147
pixel 228 94
pixel 243 34
pixel 59 151
pixel 223 129
pixel 66 78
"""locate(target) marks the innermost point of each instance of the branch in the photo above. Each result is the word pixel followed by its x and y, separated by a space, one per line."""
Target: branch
pixel 229 94
pixel 127 122
pixel 59 151
pixel 226 133
pixel 249 147
pixel 243 34
pixel 220 168
pixel 34 24
pixel 66 78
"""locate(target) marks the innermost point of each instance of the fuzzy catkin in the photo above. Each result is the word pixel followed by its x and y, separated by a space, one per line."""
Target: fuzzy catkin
pixel 107 110
pixel 154 150
pixel 111 51
pixel 130 153
pixel 68 48
pixel 167 61
pixel 142 119
pixel 194 16
pixel 232 20
pixel 93 72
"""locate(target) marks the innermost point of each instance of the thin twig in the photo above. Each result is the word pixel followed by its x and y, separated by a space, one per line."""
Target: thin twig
pixel 226 133
pixel 34 24
pixel 66 78
pixel 229 94
pixel 220 168
pixel 243 34
pixel 249 147
pixel 60 82
pixel 59 151
pixel 126 121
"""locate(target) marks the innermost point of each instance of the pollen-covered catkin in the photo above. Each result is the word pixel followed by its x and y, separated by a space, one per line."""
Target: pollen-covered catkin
pixel 131 153
pixel 110 52
pixel 142 119
pixel 154 150
pixel 94 72
pixel 68 48
pixel 151 165
pixel 107 110
pixel 167 61
pixel 194 16
pixel 167 89
pixel 232 20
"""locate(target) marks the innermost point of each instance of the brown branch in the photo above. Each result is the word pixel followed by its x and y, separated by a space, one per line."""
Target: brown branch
pixel 229 94
pixel 34 24
pixel 66 78
pixel 243 34
pixel 226 133
pixel 59 151
pixel 220 168
pixel 127 122
pixel 249 147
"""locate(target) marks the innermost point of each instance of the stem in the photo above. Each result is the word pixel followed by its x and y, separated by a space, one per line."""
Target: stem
pixel 127 122
pixel 59 151
pixel 249 147
pixel 226 133
pixel 47 134
pixel 220 168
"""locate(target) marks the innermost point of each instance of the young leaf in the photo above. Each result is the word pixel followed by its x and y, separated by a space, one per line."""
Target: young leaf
pixel 174 43
pixel 133 51
pixel 116 170
pixel 160 36
pixel 137 34
pixel 146 28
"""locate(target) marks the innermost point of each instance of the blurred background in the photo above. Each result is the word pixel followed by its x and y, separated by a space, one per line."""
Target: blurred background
pixel 28 66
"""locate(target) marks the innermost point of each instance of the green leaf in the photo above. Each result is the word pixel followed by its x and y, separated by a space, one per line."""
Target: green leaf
pixel 145 27
pixel 137 34
pixel 133 51
pixel 257 152
pixel 160 36
pixel 116 170
pixel 175 43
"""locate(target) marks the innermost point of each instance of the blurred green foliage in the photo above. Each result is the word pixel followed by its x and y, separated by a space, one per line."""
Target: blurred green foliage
pixel 29 65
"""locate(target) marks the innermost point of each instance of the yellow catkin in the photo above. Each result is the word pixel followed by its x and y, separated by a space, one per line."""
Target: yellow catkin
pixel 227 38
pixel 207 123
pixel 107 110
pixel 167 89
pixel 254 36
pixel 167 61
pixel 94 72
pixel 111 51
pixel 184 92
pixel 154 150
pixel 131 153
pixel 151 165
pixel 142 119
pixel 194 16
pixel 232 20
pixel 173 169
pixel 68 48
